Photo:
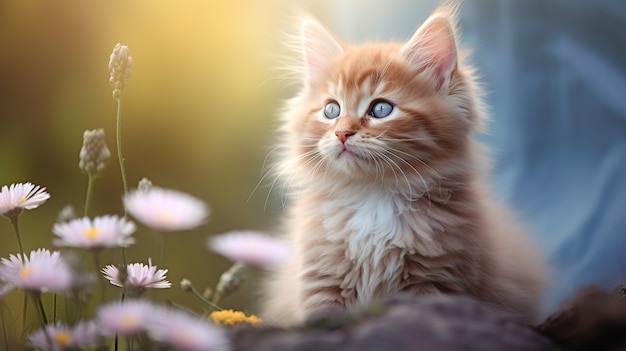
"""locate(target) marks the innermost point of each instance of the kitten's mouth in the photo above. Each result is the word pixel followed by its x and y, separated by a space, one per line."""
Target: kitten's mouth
pixel 347 153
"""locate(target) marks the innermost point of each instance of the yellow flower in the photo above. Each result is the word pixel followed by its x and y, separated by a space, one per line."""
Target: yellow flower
pixel 230 317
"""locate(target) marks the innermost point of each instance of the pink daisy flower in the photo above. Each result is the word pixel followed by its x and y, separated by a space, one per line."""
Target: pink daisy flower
pixel 43 271
pixel 21 196
pixel 56 337
pixel 138 276
pixel 127 318
pixel 251 247
pixel 101 232
pixel 183 331
pixel 166 210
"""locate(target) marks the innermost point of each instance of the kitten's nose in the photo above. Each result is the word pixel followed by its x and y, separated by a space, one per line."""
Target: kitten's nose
pixel 344 135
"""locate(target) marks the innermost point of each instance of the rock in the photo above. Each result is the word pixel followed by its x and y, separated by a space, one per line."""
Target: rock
pixel 442 323
pixel 594 320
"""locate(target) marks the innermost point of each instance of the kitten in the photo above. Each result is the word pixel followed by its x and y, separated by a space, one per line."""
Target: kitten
pixel 388 187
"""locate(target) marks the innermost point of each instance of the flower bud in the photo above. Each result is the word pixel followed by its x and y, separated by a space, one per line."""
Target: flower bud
pixel 120 65
pixel 230 280
pixel 144 185
pixel 186 285
pixel 94 153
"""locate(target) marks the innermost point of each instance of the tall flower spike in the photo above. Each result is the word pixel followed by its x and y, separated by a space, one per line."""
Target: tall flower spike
pixel 94 153
pixel 120 65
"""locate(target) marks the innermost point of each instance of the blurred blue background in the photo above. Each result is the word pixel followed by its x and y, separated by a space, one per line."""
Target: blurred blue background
pixel 555 74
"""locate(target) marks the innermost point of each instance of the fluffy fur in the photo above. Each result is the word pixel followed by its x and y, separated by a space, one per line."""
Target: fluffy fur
pixel 380 206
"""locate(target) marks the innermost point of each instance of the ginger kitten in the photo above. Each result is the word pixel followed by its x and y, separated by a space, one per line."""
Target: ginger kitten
pixel 387 186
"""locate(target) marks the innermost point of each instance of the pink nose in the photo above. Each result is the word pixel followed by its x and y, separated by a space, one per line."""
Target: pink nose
pixel 343 135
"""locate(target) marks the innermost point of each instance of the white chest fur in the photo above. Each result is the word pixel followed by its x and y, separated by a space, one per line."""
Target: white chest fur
pixel 377 229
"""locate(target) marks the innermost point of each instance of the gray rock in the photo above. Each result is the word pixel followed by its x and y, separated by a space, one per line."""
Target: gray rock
pixel 442 323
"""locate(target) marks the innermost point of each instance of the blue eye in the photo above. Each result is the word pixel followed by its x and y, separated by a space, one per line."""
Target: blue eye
pixel 332 110
pixel 381 109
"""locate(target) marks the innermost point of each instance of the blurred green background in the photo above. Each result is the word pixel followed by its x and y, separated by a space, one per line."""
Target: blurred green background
pixel 198 115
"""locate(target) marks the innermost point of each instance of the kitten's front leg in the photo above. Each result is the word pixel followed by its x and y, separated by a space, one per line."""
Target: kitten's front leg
pixel 321 302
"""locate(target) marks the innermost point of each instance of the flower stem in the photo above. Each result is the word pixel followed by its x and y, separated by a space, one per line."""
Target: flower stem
pixel 119 145
pixel 89 193
pixel 16 229
pixel 54 308
pixel 42 310
pixel 4 327
pixel 42 317
pixel 96 262
pixel 205 301
pixel 24 311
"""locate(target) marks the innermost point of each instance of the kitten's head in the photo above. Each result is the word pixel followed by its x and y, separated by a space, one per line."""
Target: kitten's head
pixel 395 113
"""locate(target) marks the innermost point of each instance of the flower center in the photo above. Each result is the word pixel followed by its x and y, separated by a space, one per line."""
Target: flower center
pixel 26 272
pixel 92 232
pixel 166 218
pixel 130 321
pixel 63 338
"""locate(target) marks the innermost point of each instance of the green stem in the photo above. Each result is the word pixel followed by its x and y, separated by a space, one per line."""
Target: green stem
pixel 42 310
pixel 16 229
pixel 205 301
pixel 89 193
pixel 54 308
pixel 119 145
pixel 24 311
pixel 96 262
pixel 4 328
pixel 42 317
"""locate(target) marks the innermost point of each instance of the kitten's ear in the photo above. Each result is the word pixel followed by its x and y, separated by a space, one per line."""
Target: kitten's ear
pixel 433 47
pixel 319 48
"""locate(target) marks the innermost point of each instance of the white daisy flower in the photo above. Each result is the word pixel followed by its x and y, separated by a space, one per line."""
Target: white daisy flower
pixel 251 247
pixel 138 276
pixel 183 331
pixel 126 318
pixel 56 337
pixel 43 271
pixel 166 210
pixel 21 196
pixel 101 232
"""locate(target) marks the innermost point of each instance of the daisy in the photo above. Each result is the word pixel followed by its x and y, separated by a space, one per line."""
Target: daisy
pixel 58 336
pixel 43 271
pixel 254 248
pixel 127 318
pixel 138 276
pixel 183 331
pixel 21 196
pixel 101 232
pixel 166 210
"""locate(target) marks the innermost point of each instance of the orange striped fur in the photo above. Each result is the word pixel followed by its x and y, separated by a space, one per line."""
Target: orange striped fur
pixel 400 204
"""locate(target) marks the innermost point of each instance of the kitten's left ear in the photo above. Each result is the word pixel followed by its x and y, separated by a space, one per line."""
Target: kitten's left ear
pixel 433 47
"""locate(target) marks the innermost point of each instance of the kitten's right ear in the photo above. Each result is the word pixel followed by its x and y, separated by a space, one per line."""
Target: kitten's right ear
pixel 319 48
